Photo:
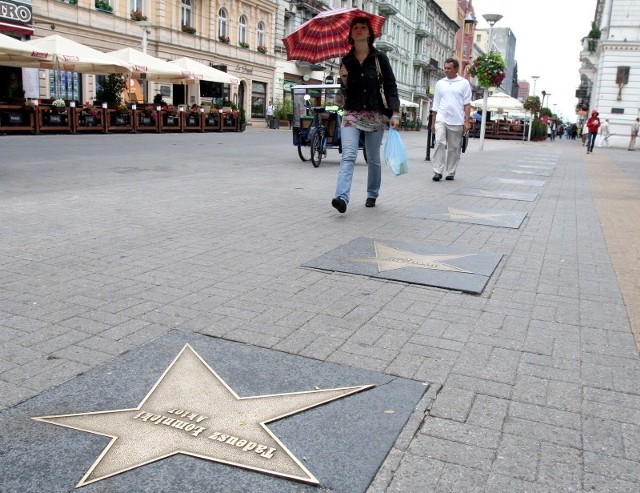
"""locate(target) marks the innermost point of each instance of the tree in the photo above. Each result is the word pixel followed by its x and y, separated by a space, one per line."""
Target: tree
pixel 111 90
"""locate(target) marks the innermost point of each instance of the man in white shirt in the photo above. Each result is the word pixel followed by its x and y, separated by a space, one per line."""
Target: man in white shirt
pixel 606 133
pixel 451 108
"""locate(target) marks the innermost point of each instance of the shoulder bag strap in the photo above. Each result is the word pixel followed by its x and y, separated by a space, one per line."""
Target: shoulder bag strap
pixel 381 84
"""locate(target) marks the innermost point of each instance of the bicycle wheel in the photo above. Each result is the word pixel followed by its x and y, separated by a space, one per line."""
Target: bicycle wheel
pixel 304 152
pixel 317 148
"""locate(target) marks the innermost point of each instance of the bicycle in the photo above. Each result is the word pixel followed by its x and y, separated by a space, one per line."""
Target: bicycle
pixel 314 135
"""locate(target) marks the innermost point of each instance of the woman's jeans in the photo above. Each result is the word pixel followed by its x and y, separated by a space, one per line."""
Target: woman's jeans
pixel 591 140
pixel 350 141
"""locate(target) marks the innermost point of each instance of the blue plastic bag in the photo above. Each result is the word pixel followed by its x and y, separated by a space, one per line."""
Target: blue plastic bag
pixel 395 153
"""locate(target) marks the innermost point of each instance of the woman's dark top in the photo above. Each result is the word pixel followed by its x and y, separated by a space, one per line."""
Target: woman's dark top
pixel 362 91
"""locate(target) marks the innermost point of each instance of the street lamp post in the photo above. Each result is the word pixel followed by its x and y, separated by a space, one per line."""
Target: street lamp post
pixel 144 25
pixel 491 20
pixel 535 79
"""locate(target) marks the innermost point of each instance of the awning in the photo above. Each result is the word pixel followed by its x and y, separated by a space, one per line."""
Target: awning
pixel 408 104
pixel 16 28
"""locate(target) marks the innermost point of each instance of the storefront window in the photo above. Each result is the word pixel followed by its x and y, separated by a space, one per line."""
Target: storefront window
pixel 64 84
pixel 258 98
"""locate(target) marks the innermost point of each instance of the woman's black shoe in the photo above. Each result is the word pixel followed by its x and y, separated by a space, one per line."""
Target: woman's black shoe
pixel 371 202
pixel 339 204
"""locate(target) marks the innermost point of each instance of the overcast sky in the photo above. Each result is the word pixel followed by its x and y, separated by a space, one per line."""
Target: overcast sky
pixel 548 43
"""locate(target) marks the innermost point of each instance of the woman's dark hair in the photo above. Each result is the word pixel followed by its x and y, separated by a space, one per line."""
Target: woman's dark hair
pixel 361 20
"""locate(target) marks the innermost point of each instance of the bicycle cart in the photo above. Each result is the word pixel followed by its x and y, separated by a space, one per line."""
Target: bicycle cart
pixel 316 121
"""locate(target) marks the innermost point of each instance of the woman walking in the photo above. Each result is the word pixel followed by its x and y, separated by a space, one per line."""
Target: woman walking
pixel 364 71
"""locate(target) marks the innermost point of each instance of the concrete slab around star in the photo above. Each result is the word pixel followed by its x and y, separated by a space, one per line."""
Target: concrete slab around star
pixel 413 263
pixel 485 217
pixel 342 443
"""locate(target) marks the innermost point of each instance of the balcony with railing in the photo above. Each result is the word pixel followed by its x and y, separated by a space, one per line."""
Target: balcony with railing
pixel 421 30
pixel 421 60
pixel 388 7
pixel 314 6
pixel 385 43
pixel 589 50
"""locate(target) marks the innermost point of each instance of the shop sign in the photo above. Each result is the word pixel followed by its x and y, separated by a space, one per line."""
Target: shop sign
pixel 15 12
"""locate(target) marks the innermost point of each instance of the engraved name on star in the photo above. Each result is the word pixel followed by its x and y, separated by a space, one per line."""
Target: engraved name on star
pixel 192 411
pixel 390 258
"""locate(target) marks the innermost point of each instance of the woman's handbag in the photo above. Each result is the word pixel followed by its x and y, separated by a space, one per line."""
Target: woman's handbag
pixel 395 153
pixel 386 111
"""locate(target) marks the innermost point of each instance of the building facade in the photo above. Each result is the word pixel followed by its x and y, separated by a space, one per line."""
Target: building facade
pixel 243 38
pixel 610 67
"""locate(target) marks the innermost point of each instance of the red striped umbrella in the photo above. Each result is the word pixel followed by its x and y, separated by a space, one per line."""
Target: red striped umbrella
pixel 326 35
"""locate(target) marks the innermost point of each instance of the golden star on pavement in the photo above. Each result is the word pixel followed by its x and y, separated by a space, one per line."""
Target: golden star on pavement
pixel 390 258
pixel 192 411
pixel 462 214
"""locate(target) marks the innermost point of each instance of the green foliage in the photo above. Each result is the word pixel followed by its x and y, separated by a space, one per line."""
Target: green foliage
pixel 111 91
pixel 488 68
pixel 595 32
pixel 242 44
pixel 282 109
pixel 103 5
pixel 243 116
pixel 546 112
pixel 188 29
pixel 538 130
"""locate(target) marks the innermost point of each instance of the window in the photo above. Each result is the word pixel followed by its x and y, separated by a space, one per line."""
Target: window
pixel 186 13
pixel 242 29
pixel 260 34
pixel 64 84
pixel 222 23
pixel 136 5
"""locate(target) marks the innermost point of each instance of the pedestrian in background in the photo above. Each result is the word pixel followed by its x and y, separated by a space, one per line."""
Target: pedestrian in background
pixel 269 113
pixel 593 124
pixel 605 132
pixel 451 106
pixel 634 133
pixel 584 133
pixel 362 73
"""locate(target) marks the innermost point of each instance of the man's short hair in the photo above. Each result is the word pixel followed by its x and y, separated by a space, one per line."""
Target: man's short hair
pixel 453 61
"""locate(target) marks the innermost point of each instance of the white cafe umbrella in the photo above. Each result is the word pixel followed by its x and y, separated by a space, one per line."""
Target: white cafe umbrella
pixel 60 53
pixel 200 71
pixel 154 69
pixel 500 102
pixel 12 46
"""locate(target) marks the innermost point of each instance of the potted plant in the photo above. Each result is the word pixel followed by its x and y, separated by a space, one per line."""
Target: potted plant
pixel 111 91
pixel 224 39
pixel 282 110
pixel 594 36
pixel 262 49
pixel 488 69
pixel 243 119
pixel 244 45
pixel 58 104
pixel 137 15
pixel 188 29
pixel 104 6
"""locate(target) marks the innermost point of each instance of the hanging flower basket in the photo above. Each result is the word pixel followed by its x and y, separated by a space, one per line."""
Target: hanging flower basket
pixel 488 69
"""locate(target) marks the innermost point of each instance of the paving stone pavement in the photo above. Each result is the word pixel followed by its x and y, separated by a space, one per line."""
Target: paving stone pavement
pixel 110 241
